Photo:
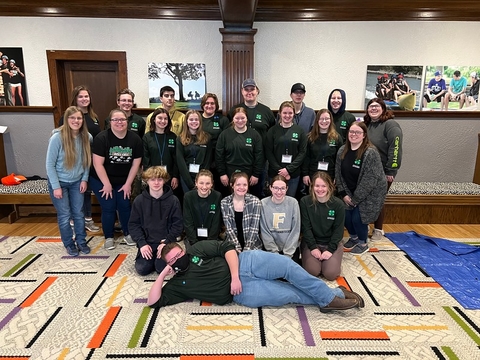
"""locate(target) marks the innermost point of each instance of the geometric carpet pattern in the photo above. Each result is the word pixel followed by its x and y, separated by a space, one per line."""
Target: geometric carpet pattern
pixel 53 306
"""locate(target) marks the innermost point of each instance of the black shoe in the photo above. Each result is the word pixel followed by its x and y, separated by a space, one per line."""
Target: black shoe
pixel 339 304
pixel 352 295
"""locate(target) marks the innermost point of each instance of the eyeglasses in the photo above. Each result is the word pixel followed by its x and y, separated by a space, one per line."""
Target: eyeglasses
pixel 118 119
pixel 276 188
pixel 324 119
pixel 355 132
pixel 175 258
pixel 373 106
pixel 126 101
pixel 75 118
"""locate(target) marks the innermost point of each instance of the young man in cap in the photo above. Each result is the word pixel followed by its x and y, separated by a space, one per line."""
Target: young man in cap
pixel 304 116
pixel 212 271
pixel 260 117
pixel 436 90
pixel 167 98
pixel 472 96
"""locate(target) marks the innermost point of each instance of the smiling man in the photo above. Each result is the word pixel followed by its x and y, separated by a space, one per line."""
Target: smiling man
pixel 167 98
pixel 212 271
pixel 125 102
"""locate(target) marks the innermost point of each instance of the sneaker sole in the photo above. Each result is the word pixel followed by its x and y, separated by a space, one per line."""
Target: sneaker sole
pixel 129 244
pixel 92 230
pixel 363 252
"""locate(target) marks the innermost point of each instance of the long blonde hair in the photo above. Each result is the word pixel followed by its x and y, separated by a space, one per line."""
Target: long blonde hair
pixel 332 133
pixel 202 136
pixel 68 141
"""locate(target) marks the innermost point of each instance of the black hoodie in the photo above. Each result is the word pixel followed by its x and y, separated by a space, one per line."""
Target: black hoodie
pixel 342 119
pixel 153 220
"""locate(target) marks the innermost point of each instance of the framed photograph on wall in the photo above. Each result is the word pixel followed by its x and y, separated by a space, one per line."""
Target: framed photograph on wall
pixel 399 86
pixel 460 84
pixel 13 89
pixel 187 79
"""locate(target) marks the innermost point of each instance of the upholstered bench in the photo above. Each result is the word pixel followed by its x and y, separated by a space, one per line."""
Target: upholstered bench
pixel 433 203
pixel 31 196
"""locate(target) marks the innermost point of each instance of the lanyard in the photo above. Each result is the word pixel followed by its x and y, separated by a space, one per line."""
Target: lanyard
pixel 162 151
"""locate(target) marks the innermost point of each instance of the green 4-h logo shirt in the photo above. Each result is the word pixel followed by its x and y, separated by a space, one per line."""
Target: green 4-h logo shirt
pixel 212 207
pixel 171 142
pixel 248 140
pixel 295 135
pixel 343 124
pixel 357 162
pixel 331 215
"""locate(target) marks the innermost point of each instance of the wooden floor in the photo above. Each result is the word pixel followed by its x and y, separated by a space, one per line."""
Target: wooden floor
pixel 47 226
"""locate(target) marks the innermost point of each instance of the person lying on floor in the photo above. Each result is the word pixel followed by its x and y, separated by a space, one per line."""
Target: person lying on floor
pixel 212 271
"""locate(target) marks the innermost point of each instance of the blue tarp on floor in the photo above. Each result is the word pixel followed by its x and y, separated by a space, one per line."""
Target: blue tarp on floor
pixel 455 266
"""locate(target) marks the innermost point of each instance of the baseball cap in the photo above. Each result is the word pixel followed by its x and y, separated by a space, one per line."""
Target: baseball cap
pixel 298 87
pixel 5 57
pixel 473 74
pixel 437 73
pixel 12 61
pixel 249 82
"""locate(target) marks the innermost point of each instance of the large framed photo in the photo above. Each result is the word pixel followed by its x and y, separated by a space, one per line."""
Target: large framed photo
pixel 399 86
pixel 13 90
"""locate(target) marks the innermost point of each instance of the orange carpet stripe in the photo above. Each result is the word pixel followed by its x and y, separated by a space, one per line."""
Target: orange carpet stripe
pixel 103 328
pixel 115 265
pixel 63 354
pixel 50 240
pixel 354 335
pixel 342 282
pixel 206 303
pixel 217 357
pixel 220 327
pixel 38 292
pixel 424 284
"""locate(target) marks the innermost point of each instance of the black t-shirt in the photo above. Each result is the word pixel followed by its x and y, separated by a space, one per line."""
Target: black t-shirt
pixel 350 168
pixel 118 153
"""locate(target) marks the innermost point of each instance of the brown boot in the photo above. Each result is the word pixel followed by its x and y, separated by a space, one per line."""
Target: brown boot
pixel 352 295
pixel 339 304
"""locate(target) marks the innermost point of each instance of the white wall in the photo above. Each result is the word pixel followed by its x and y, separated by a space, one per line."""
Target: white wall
pixel 321 55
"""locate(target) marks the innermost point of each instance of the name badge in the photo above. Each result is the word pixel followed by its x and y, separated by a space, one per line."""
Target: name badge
pixel 202 232
pixel 287 159
pixel 164 167
pixel 322 165
pixel 194 168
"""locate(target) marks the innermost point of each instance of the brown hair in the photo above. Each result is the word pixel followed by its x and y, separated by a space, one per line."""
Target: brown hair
pixel 327 179
pixel 125 92
pixel 332 133
pixel 386 114
pixel 75 93
pixel 167 248
pixel 236 111
pixel 154 115
pixel 204 172
pixel 202 136
pixel 365 143
pixel 237 175
pixel 156 172
pixel 205 98
pixel 284 105
pixel 279 178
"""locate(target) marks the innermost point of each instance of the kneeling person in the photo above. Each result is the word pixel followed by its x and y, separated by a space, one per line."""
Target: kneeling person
pixel 212 271
pixel 156 219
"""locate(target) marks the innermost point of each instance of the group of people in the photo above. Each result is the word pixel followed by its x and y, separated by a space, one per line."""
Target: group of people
pixel 325 171
pixel 12 78
pixel 392 87
pixel 456 92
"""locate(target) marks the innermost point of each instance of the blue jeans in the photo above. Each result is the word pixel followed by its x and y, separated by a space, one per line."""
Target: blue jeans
pixel 292 186
pixel 259 271
pixel 70 207
pixel 110 207
pixel 354 225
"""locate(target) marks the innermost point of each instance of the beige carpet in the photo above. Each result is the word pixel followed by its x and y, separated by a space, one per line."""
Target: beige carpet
pixel 53 306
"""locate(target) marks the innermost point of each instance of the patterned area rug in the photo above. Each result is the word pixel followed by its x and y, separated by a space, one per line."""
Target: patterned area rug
pixel 53 306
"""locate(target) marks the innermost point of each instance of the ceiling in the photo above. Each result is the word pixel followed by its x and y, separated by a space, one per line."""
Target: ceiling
pixel 243 13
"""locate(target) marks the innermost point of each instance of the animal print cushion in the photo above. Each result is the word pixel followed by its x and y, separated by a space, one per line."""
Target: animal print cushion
pixel 434 188
pixel 26 187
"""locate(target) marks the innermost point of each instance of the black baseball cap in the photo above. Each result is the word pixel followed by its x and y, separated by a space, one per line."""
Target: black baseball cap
pixel 298 87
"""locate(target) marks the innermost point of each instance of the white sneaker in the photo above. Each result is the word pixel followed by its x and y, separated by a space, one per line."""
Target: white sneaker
pixel 109 244
pixel 90 226
pixel 129 241
pixel 377 234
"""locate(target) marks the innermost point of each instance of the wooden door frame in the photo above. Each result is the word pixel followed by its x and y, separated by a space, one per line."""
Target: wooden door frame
pixel 55 59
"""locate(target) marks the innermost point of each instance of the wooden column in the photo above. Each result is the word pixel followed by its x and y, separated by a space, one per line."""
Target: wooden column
pixel 238 63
